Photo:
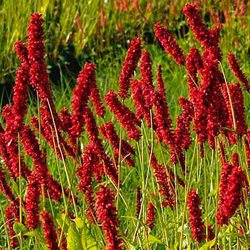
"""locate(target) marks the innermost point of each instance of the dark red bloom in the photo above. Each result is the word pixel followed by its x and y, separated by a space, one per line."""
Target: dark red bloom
pixel 233 179
pixel 65 118
pixel 120 146
pixel 40 172
pixel 150 220
pixel 49 231
pixel 160 84
pixel 147 79
pixel 169 44
pixel 195 216
pixel 107 216
pixel 80 98
pixel 32 203
pixel 12 216
pixel 5 187
pixel 247 148
pixel 163 123
pixel 194 64
pixel 129 66
pixel 138 201
pixel 124 115
pixel 96 99
pixel 22 51
pixel 139 101
pixel 163 180
pixel 237 116
pixel 235 67
pixel 182 132
pixel 85 174
pixel 196 23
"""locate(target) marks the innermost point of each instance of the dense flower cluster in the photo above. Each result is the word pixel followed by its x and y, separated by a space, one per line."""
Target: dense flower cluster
pixel 129 66
pixel 125 116
pixel 150 220
pixel 49 231
pixel 166 188
pixel 120 146
pixel 195 216
pixel 169 44
pixel 235 67
pixel 107 216
pixel 232 181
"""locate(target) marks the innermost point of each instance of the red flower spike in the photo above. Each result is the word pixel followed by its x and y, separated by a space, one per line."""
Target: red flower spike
pixel 96 99
pixel 12 216
pixel 129 66
pixel 107 215
pixel 49 231
pixel 247 148
pixel 150 220
pixel 164 125
pixel 138 201
pixel 125 116
pixel 80 98
pixel 166 188
pixel 139 101
pixel 32 203
pixel 238 108
pixel 194 65
pixel 22 51
pixel 196 23
pixel 90 123
pixel 147 79
pixel 160 84
pixel 5 187
pixel 195 216
pixel 85 174
pixel 124 148
pixel 234 66
pixel 169 44
pixel 182 132
pixel 232 181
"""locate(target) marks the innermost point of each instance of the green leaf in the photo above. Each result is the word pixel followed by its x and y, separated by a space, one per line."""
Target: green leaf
pixel 88 241
pixel 33 233
pixel 79 222
pixel 74 238
pixel 19 228
pixel 151 240
pixel 207 245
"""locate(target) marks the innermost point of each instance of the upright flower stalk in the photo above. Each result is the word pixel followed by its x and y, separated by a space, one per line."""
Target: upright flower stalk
pixel 107 216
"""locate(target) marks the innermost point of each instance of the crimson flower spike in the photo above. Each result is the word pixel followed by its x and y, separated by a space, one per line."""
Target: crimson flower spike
pixel 139 101
pixel 12 216
pixel 85 174
pixel 231 184
pixel 80 98
pixel 5 187
pixel 182 132
pixel 195 216
pixel 36 53
pixel 49 231
pixel 147 79
pixel 32 202
pixel 124 115
pixel 108 131
pixel 235 67
pixel 150 220
pixel 169 44
pixel 107 215
pixel 238 113
pixel 196 23
pixel 129 66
